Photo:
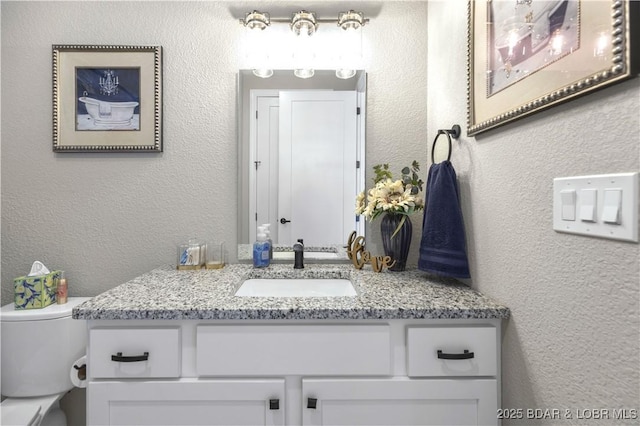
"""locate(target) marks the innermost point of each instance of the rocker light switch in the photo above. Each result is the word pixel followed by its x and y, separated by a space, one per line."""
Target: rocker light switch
pixel 568 200
pixel 588 205
pixel 611 207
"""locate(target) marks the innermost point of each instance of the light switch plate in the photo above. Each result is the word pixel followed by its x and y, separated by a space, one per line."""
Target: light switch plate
pixel 627 183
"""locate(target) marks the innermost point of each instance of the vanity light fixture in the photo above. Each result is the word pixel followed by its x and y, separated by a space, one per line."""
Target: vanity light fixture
pixel 304 22
pixel 345 73
pixel 351 20
pixel 304 72
pixel 346 48
pixel 263 72
pixel 303 25
pixel 256 20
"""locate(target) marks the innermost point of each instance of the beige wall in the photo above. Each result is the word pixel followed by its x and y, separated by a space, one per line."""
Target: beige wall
pixel 573 341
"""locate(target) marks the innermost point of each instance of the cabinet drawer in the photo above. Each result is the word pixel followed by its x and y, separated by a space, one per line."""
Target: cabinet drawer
pixel 440 351
pixel 134 352
pixel 260 350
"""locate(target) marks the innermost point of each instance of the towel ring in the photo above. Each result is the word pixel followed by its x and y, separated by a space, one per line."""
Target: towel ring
pixel 453 132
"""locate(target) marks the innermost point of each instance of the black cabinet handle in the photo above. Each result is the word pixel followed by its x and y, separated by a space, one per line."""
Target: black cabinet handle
pixel 312 403
pixel 274 404
pixel 465 355
pixel 283 220
pixel 135 358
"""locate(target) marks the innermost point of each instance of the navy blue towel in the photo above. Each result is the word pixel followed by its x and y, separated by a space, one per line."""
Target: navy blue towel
pixel 443 245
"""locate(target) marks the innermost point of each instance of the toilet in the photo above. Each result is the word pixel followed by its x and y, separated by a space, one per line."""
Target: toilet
pixel 39 348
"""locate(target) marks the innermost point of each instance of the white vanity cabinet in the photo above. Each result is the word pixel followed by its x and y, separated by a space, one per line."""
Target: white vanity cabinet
pixel 291 372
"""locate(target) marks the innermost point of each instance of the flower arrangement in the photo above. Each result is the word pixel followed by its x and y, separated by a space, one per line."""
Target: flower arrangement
pixel 392 196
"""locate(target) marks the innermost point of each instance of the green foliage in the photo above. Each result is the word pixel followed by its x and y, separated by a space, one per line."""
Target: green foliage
pixel 409 175
pixel 382 172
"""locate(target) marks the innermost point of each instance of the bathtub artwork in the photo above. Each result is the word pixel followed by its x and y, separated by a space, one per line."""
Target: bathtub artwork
pixel 528 37
pixel 109 99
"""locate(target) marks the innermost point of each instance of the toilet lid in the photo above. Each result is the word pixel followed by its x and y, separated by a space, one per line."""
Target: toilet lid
pixel 26 411
pixel 10 313
pixel 20 413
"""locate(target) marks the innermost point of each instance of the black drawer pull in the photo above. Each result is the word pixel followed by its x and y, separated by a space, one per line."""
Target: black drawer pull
pixel 135 358
pixel 312 403
pixel 274 404
pixel 465 355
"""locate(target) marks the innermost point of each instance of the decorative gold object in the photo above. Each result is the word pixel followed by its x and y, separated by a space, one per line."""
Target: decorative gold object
pixel 188 267
pixel 359 256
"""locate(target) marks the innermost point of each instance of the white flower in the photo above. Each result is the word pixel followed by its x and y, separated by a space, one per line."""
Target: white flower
pixel 360 204
pixel 390 196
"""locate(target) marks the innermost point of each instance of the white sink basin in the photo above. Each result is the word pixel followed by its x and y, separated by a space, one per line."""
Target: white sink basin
pixel 296 287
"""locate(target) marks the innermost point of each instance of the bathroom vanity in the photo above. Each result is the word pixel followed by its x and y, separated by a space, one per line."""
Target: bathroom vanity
pixel 179 347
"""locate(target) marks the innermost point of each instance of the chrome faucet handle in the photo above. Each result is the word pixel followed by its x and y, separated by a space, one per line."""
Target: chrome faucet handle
pixel 298 251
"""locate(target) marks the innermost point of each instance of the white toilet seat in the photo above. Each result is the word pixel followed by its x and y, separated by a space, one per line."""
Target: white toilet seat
pixel 26 411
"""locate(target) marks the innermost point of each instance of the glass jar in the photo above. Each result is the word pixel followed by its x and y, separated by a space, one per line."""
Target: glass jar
pixel 215 256
pixel 192 254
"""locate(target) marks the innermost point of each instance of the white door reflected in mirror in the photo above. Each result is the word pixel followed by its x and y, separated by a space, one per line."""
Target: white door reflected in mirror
pixel 305 157
pixel 299 153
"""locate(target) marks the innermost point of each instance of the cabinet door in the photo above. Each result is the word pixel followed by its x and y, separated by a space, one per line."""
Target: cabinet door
pixel 399 402
pixel 186 402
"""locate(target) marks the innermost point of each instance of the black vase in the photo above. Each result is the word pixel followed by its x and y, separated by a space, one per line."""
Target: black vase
pixel 397 246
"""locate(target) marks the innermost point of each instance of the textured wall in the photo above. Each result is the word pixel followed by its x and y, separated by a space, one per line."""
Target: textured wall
pixel 106 218
pixel 573 341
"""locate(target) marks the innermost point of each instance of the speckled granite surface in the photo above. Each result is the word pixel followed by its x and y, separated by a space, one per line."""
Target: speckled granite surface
pixel 318 254
pixel 166 293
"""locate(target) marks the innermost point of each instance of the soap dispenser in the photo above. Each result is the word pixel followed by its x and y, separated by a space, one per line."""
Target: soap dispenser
pixel 267 232
pixel 261 249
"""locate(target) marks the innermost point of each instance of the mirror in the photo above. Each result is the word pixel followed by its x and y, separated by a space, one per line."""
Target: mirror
pixel 301 161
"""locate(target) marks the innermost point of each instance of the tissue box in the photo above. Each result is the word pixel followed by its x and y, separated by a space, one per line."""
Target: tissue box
pixel 36 292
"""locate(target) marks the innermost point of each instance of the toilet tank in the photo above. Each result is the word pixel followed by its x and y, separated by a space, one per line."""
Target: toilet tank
pixel 39 347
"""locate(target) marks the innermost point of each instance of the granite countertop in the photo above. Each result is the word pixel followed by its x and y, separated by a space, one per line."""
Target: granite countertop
pixel 166 293
pixel 284 254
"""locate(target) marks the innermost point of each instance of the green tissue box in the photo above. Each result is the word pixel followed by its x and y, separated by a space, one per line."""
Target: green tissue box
pixel 36 292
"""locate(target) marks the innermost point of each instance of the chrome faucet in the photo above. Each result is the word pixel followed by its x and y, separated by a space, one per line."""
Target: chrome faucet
pixel 298 251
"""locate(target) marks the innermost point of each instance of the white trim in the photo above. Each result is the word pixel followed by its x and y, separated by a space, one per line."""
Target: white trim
pixel 254 94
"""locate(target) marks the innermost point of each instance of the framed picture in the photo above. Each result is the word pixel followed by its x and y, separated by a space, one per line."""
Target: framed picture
pixel 107 98
pixel 527 55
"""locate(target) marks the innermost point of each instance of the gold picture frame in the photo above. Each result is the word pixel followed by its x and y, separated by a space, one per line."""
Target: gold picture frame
pixel 107 98
pixel 525 56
